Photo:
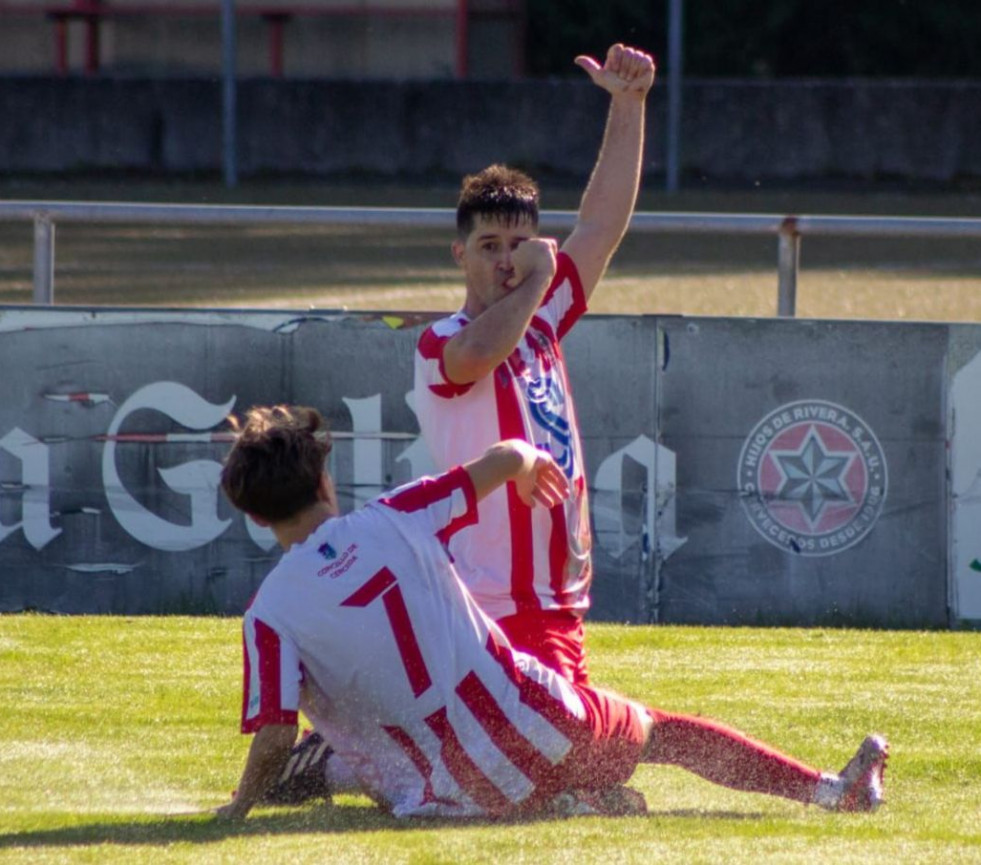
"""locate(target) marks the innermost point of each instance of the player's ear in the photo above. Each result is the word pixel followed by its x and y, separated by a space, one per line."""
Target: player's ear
pixel 458 248
pixel 327 494
pixel 259 521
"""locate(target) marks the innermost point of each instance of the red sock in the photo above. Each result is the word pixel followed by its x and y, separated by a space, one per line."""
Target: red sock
pixel 727 757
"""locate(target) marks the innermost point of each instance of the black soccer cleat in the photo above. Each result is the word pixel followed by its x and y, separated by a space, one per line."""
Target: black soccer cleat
pixel 304 777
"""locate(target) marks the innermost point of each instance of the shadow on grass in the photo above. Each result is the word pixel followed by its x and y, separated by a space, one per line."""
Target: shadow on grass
pixel 203 829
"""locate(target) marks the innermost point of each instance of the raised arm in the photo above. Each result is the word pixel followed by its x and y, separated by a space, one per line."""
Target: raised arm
pixel 536 476
pixel 608 202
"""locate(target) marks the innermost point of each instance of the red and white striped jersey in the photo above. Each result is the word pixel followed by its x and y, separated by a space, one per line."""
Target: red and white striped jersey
pixel 517 559
pixel 366 628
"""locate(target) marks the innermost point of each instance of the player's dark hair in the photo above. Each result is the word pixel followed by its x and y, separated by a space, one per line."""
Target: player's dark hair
pixel 273 469
pixel 499 192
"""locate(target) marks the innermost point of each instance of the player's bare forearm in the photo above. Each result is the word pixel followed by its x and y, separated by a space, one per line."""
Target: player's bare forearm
pixel 487 340
pixel 611 193
pixel 610 196
pixel 268 753
pixel 493 334
pixel 536 476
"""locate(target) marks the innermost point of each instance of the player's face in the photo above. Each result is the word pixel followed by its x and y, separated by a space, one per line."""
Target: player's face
pixel 485 257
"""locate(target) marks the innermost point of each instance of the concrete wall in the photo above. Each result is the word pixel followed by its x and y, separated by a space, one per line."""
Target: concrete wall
pixel 733 131
pixel 102 509
pixel 740 471
pixel 811 460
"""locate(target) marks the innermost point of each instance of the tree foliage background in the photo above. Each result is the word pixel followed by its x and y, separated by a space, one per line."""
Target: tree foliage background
pixel 768 38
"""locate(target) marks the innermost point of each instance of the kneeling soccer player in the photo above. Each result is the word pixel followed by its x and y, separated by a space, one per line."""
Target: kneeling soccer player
pixel 365 627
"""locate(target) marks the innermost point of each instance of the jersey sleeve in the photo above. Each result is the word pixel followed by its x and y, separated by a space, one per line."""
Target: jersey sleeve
pixel 565 301
pixel 448 502
pixel 272 676
pixel 430 369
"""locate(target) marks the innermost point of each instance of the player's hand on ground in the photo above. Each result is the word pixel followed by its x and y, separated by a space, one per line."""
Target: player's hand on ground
pixel 540 481
pixel 626 70
pixel 227 812
pixel 533 258
pixel 234 810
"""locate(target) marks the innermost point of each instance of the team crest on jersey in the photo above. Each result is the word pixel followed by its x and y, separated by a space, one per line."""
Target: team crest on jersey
pixel 546 400
pixel 812 478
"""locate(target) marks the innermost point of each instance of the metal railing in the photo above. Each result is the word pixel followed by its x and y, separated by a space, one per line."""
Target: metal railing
pixel 788 229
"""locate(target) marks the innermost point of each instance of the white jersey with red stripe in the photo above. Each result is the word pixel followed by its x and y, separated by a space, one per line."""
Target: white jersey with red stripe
pixel 367 629
pixel 517 559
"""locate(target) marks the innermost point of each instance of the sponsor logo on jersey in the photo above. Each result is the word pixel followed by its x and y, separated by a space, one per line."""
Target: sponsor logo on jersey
pixel 327 551
pixel 340 562
pixel 812 478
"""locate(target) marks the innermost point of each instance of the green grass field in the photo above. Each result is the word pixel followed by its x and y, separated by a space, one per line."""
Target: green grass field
pixel 116 733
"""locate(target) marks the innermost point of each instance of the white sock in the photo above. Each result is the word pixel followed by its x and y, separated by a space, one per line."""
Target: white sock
pixel 828 792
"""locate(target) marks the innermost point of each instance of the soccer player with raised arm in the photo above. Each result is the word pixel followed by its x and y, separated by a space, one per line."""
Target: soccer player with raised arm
pixel 494 370
pixel 365 627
